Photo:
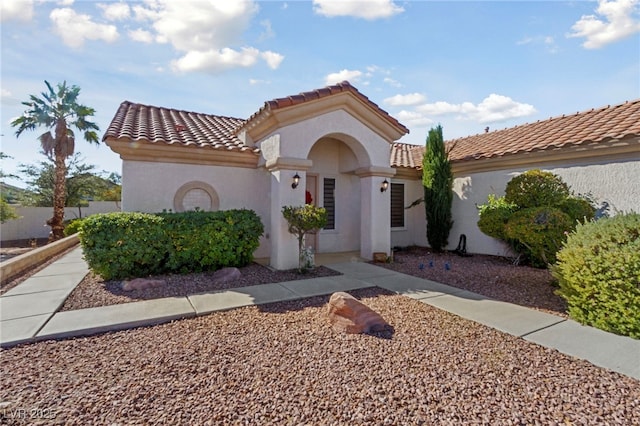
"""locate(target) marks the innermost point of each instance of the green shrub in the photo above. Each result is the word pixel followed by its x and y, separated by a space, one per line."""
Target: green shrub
pixel 494 216
pixel 536 188
pixel 578 209
pixel 72 227
pixel 598 270
pixel 211 240
pixel 541 230
pixel 122 245
pixel 303 220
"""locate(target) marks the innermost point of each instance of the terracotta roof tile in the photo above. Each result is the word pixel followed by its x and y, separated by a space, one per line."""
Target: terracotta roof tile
pixel 163 125
pixel 345 86
pixel 592 126
pixel 406 155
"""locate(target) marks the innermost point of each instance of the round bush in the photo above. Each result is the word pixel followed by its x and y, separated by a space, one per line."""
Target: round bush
pixel 598 270
pixel 578 209
pixel 494 216
pixel 535 188
pixel 541 230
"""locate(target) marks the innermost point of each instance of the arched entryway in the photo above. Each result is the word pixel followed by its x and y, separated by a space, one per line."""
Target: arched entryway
pixel 332 183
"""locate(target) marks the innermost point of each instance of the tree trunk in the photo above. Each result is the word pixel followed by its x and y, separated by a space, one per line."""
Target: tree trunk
pixel 59 199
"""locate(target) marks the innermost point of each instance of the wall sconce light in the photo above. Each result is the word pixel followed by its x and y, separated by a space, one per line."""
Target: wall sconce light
pixel 296 181
pixel 385 185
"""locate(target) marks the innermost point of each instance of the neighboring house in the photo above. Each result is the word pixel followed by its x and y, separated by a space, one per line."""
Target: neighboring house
pixel 343 147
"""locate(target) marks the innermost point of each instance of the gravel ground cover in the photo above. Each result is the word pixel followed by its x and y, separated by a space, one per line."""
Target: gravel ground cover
pixel 491 276
pixel 283 364
pixel 93 291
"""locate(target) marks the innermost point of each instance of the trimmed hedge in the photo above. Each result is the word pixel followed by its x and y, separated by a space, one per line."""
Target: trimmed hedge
pixel 125 245
pixel 598 270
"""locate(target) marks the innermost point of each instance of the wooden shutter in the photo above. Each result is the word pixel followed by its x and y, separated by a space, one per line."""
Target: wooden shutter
pixel 328 190
pixel 397 205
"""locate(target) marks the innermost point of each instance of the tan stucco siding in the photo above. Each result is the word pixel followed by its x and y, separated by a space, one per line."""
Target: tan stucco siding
pixel 296 140
pixel 415 230
pixel 151 187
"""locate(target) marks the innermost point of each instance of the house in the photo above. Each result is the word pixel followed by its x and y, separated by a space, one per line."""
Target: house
pixel 343 149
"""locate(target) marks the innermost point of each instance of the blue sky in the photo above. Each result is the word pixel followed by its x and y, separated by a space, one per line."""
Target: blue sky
pixel 465 65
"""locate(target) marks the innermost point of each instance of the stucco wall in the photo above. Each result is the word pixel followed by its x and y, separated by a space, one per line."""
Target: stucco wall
pixel 31 222
pixel 151 187
pixel 415 230
pixel 339 123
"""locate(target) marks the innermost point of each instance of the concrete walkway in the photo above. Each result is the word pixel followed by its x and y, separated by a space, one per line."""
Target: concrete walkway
pixel 29 311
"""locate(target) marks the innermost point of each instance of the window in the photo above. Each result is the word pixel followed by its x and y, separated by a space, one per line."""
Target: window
pixel 328 191
pixel 397 205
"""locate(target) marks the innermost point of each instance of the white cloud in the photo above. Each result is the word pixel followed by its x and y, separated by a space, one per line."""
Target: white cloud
pixel 201 26
pixel 403 100
pixel 547 41
pixel 391 82
pixel 268 30
pixel 413 118
pixel 618 21
pixel 115 11
pixel 75 28
pixel 19 10
pixel 494 108
pixel 272 59
pixel 205 33
pixel 340 76
pixel 141 36
pixel 215 61
pixel 65 3
pixel 370 9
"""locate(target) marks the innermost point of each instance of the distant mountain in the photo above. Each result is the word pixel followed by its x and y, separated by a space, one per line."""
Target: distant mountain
pixel 11 193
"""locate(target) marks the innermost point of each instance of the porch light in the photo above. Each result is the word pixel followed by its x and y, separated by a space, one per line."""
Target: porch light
pixel 296 181
pixel 385 185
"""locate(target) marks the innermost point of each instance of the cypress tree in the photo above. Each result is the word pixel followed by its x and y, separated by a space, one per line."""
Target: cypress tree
pixel 437 179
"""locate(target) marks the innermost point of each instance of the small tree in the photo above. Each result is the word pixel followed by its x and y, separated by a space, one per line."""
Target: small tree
pixel 437 179
pixel 303 220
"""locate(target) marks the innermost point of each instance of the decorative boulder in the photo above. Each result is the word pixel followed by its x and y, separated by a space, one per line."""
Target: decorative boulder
pixel 225 275
pixel 349 315
pixel 140 284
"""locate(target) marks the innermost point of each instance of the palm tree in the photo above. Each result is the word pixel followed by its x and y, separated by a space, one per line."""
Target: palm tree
pixel 58 110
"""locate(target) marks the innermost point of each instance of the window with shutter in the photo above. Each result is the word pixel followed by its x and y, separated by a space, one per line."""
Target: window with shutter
pixel 397 205
pixel 329 187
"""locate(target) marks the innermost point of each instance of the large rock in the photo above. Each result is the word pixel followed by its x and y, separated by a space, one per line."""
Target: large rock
pixel 141 284
pixel 349 315
pixel 225 275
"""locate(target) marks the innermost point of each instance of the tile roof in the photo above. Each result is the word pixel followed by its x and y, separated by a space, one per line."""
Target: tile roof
pixel 406 155
pixel 312 95
pixel 164 125
pixel 593 126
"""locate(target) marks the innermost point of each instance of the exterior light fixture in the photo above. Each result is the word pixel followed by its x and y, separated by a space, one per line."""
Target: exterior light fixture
pixel 385 185
pixel 296 181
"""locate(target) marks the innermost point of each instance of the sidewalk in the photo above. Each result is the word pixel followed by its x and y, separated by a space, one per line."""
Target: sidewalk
pixel 29 311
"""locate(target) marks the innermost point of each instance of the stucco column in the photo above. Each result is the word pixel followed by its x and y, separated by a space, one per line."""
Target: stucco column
pixel 284 246
pixel 375 207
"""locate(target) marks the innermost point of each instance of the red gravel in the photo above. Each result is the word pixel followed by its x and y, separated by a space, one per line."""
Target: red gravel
pixel 283 364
